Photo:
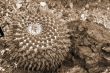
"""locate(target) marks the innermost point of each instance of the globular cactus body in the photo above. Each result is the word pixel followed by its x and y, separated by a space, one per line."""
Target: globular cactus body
pixel 41 43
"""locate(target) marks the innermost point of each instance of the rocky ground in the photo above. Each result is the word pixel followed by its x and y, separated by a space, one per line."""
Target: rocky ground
pixel 89 22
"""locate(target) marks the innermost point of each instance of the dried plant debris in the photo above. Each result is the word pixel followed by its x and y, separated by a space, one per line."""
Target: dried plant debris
pixel 98 13
pixel 88 41
pixel 71 3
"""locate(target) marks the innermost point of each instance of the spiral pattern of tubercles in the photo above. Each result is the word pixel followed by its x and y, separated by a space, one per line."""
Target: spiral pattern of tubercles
pixel 41 43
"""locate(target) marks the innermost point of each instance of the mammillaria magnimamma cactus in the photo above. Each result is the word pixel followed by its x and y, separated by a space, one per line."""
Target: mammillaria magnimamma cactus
pixel 41 43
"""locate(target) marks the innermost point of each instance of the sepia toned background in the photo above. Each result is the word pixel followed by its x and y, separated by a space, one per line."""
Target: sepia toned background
pixel 89 25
